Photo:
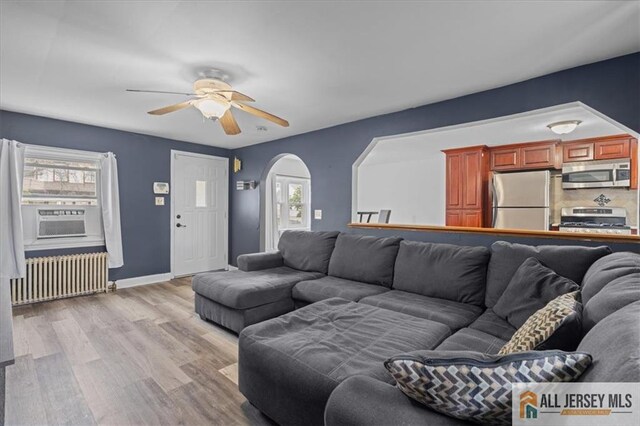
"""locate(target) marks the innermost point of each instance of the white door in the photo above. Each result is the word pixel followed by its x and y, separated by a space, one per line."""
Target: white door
pixel 199 213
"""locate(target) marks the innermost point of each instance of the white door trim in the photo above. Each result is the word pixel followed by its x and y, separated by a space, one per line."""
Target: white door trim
pixel 172 199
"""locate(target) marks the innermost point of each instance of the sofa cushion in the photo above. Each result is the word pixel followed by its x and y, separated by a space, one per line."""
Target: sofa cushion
pixel 493 325
pixel 364 258
pixel 614 344
pixel 258 261
pixel 441 379
pixel 617 294
pixel 445 271
pixel 288 366
pixel 328 287
pixel 453 314
pixel 365 401
pixel 241 290
pixel 531 288
pixel 556 326
pixel 568 261
pixel 607 269
pixel 469 339
pixel 307 250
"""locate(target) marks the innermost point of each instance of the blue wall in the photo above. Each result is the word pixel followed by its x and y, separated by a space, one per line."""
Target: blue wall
pixel 142 160
pixel 612 87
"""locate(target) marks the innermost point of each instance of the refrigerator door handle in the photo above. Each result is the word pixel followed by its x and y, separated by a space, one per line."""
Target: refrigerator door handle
pixel 494 201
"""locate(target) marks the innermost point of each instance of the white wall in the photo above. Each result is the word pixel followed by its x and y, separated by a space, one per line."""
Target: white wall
pixel 412 190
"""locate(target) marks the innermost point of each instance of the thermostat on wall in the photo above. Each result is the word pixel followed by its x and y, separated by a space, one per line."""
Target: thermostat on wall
pixel 160 187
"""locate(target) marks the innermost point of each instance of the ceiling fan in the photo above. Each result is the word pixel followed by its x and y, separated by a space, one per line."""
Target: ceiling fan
pixel 214 97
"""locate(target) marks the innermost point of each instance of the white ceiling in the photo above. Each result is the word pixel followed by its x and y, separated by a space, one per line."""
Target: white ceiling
pixel 317 64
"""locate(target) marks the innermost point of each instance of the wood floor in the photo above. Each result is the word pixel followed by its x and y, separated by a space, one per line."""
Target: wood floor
pixel 137 356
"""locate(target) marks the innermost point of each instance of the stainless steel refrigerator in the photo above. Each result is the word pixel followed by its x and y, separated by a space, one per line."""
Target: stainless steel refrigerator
pixel 521 200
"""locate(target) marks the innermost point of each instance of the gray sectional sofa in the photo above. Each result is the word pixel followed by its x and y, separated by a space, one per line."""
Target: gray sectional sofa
pixel 329 308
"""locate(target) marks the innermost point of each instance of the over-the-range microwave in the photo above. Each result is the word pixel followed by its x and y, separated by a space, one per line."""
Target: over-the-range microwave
pixel 596 174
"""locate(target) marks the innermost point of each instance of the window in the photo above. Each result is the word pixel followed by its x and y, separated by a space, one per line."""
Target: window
pixel 66 180
pixel 292 202
pixel 59 181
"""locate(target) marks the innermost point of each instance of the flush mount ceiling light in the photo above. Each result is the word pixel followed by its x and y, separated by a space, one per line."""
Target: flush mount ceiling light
pixel 564 127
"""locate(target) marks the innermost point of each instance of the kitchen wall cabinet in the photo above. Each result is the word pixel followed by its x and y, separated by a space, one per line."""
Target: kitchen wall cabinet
pixel 577 151
pixel 616 147
pixel 526 156
pixel 601 148
pixel 612 149
pixel 467 177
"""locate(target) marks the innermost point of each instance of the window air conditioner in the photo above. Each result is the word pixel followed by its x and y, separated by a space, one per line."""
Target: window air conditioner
pixel 59 223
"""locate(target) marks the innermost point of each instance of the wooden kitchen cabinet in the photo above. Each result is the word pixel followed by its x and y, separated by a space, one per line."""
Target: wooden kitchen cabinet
pixel 472 218
pixel 525 156
pixel 453 218
pixel 600 148
pixel 539 156
pixel 613 149
pixel 469 218
pixel 467 177
pixel 505 158
pixel 577 151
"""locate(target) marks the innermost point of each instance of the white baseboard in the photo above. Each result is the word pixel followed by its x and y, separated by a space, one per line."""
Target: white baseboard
pixel 147 279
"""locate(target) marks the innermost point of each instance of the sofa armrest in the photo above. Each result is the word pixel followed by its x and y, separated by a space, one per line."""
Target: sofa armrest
pixel 258 261
pixel 364 401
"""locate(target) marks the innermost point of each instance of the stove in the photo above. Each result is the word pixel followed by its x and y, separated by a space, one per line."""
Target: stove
pixel 595 220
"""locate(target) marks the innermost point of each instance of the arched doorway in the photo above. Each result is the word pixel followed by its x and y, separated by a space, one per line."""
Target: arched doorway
pixel 285 199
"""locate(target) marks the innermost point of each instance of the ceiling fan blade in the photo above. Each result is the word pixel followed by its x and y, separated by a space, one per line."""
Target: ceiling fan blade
pixel 259 113
pixel 229 124
pixel 234 95
pixel 161 91
pixel 171 108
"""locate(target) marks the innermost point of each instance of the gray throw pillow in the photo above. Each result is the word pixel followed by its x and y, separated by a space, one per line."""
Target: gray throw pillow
pixel 531 288
pixel 445 271
pixel 449 381
pixel 568 261
pixel 306 250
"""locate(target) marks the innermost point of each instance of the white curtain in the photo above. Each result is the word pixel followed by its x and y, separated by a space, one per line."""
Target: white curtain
pixel 110 201
pixel 12 264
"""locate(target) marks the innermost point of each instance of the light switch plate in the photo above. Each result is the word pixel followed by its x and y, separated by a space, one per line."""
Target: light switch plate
pixel 159 201
pixel 317 214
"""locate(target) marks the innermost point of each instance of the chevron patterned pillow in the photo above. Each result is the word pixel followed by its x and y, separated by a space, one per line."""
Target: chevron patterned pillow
pixel 475 386
pixel 556 326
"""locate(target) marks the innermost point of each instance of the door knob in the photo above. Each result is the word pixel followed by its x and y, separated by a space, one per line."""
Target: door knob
pixel 178 216
pixel 179 225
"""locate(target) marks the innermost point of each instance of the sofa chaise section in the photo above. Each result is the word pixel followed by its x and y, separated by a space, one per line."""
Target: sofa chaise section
pixel 261 288
pixel 288 366
pixel 235 299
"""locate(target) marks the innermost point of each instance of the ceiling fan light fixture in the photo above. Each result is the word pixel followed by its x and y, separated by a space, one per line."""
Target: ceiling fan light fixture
pixel 564 127
pixel 211 109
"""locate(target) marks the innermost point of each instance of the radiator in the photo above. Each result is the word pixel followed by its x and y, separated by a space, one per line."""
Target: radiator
pixel 57 277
